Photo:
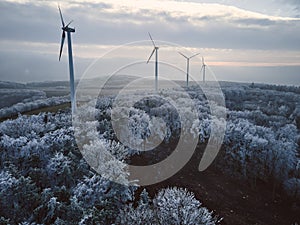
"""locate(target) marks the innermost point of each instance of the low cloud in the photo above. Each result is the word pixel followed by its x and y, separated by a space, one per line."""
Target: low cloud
pixel 195 25
pixel 208 25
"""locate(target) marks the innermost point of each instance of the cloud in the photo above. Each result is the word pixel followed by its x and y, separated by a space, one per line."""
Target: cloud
pixel 31 31
pixel 118 22
pixel 28 21
pixel 255 22
pixel 295 3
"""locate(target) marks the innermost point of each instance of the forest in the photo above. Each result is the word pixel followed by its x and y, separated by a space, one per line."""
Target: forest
pixel 44 178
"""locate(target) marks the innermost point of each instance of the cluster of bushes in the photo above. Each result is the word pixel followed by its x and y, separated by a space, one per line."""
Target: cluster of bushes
pixel 45 180
pixel 262 136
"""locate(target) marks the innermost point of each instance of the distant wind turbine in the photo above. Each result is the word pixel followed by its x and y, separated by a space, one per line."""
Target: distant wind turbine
pixel 187 66
pixel 68 30
pixel 155 49
pixel 203 69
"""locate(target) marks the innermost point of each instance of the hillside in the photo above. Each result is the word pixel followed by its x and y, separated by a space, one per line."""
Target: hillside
pixel 71 172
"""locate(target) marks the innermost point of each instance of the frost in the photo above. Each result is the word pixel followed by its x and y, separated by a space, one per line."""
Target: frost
pixel 169 206
pixel 21 107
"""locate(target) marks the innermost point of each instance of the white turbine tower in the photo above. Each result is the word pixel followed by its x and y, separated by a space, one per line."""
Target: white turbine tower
pixel 187 66
pixel 203 69
pixel 68 30
pixel 156 62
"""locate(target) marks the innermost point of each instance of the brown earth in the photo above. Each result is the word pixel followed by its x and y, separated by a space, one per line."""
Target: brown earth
pixel 236 201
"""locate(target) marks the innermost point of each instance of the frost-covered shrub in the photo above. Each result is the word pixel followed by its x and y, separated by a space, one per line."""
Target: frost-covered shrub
pixel 13 192
pixel 257 152
pixel 142 214
pixel 169 206
pixel 31 105
pixel 28 223
pixel 102 194
pixel 43 149
pixel 99 158
pixel 139 124
pixel 10 96
pixel 60 139
pixel 178 206
pixel 55 206
pixel 44 164
pixel 91 191
pixel 26 126
pixel 59 170
pixel 30 141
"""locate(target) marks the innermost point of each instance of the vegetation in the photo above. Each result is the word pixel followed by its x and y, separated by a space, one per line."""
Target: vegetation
pixel 45 180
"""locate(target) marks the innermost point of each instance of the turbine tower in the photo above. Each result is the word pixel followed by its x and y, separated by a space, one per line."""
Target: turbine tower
pixel 155 49
pixel 187 66
pixel 203 69
pixel 68 30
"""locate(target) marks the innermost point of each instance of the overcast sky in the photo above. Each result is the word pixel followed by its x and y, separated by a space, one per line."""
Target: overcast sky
pixel 253 41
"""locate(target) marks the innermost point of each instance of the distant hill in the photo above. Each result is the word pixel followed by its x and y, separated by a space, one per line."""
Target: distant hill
pixel 48 84
pixel 11 96
pixel 12 85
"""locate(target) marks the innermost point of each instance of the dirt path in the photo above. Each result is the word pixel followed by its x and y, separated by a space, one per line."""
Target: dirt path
pixel 52 109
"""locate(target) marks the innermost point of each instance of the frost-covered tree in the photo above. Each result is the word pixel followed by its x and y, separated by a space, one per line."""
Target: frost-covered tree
pixel 96 195
pixel 178 206
pixel 56 206
pixel 26 126
pixel 13 192
pixel 59 170
pixel 142 214
pixel 169 206
pixel 256 152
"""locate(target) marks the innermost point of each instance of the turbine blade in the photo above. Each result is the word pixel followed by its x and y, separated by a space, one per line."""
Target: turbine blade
pixel 203 60
pixel 151 55
pixel 194 55
pixel 151 39
pixel 69 23
pixel 61 17
pixel 62 44
pixel 183 55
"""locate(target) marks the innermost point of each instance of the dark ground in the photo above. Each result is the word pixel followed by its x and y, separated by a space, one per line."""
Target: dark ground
pixel 236 201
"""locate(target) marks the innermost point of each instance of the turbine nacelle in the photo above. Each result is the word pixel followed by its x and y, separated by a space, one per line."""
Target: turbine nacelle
pixel 68 29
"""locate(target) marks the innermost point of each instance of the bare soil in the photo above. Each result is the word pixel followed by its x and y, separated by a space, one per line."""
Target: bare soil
pixel 236 201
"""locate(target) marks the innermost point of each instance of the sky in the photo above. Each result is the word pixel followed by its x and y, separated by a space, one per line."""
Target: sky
pixel 246 41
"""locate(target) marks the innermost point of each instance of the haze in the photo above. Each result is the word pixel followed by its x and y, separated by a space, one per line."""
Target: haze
pixel 248 41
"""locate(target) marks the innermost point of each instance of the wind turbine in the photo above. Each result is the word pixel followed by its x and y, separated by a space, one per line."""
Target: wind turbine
pixel 155 49
pixel 187 66
pixel 203 69
pixel 68 30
